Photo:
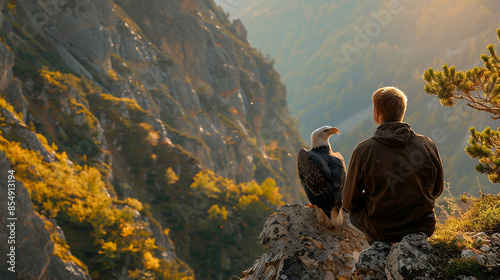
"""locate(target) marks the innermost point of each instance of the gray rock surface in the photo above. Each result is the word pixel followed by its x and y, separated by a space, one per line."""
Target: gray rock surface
pixel 372 262
pixel 489 249
pixel 466 253
pixel 239 29
pixel 463 277
pixel 28 138
pixel 6 63
pixel 303 249
pixel 411 259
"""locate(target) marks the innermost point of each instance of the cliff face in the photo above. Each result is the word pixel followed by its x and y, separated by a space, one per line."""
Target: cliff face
pixel 143 96
pixel 184 63
pixel 33 257
pixel 41 247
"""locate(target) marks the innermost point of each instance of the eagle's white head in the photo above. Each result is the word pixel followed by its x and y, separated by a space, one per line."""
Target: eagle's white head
pixel 320 136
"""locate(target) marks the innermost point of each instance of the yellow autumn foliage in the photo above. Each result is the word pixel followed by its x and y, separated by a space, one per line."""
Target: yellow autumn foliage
pixel 170 176
pixel 150 262
pixel 126 229
pixel 134 203
pixel 247 199
pixel 217 187
pixel 80 193
pixel 108 247
pixel 216 211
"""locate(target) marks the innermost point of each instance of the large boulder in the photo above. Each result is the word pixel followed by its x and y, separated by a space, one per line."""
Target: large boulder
pixel 372 262
pixel 303 249
pixel 411 259
pixel 300 248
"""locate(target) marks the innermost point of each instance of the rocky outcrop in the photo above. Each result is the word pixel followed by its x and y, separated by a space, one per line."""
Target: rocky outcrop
pixel 411 258
pixel 239 29
pixel 34 249
pixel 303 249
pixel 28 139
pixel 372 262
pixel 6 63
pixel 489 249
pixel 300 248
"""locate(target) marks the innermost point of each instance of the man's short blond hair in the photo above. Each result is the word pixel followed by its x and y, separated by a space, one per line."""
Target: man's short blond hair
pixel 390 102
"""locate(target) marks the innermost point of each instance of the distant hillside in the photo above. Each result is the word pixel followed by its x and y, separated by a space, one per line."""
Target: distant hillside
pixel 334 54
pixel 150 137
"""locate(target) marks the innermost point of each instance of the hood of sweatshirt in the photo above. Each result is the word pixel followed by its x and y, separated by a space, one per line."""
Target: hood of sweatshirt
pixel 394 134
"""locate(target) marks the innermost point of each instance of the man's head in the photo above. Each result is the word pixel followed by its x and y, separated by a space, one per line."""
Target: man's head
pixel 389 105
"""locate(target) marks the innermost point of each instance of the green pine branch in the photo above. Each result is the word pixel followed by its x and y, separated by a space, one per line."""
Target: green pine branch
pixel 484 146
pixel 480 88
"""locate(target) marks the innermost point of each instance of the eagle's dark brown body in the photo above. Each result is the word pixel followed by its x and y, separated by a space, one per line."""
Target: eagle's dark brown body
pixel 322 174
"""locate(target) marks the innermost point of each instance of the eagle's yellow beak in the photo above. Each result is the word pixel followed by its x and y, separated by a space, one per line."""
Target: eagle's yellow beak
pixel 334 130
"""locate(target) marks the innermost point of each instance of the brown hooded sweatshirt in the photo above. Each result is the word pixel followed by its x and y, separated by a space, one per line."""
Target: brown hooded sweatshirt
pixel 392 183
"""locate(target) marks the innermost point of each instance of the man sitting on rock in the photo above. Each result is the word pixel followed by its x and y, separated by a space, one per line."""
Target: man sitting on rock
pixel 394 177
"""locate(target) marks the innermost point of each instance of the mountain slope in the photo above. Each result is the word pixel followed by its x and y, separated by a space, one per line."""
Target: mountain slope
pixel 334 55
pixel 179 121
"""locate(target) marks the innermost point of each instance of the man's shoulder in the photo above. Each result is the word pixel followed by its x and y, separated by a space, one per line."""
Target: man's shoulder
pixel 424 139
pixel 363 145
pixel 371 142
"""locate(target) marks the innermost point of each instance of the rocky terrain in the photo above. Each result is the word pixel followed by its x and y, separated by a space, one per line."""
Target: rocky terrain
pixel 300 248
pixel 34 255
pixel 303 249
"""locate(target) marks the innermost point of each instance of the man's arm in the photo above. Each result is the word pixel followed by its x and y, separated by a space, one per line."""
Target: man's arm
pixel 353 197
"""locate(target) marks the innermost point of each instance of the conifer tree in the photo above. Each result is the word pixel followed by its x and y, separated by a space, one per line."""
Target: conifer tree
pixel 480 87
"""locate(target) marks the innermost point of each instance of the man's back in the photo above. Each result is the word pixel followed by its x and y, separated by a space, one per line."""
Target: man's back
pixel 393 179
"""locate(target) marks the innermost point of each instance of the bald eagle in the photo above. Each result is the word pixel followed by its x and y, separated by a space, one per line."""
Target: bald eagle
pixel 322 174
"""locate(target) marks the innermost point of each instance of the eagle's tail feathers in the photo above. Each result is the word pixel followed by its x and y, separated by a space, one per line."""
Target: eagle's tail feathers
pixel 337 217
pixel 323 218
